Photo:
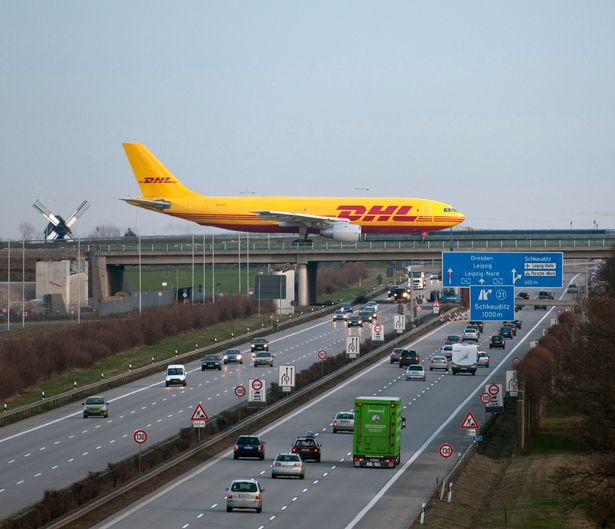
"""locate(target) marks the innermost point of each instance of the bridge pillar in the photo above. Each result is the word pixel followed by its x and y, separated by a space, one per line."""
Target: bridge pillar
pixel 312 277
pixel 302 284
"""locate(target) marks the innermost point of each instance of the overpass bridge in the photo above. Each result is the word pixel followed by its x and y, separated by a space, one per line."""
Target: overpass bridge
pixel 109 259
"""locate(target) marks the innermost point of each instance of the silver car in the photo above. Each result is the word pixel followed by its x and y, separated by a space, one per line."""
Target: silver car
pixel 288 465
pixel 483 359
pixel 244 494
pixel 438 362
pixel 340 315
pixel 471 333
pixel 415 372
pixel 343 422
pixel 263 358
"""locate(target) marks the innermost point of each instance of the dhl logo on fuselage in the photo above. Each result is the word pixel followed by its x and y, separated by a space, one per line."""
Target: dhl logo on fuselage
pixel 157 180
pixel 384 213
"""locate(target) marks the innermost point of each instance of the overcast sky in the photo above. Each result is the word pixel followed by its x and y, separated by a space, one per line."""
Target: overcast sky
pixel 506 110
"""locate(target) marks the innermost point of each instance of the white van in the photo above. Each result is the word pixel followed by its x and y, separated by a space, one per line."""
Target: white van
pixel 464 358
pixel 176 374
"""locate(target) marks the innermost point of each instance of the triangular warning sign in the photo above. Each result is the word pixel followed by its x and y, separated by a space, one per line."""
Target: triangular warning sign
pixel 199 413
pixel 436 303
pixel 470 422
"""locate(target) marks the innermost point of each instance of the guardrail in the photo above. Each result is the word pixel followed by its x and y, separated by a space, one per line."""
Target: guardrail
pixel 241 426
pixel 287 246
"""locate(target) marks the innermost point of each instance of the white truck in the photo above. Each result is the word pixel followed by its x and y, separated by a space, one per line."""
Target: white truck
pixel 464 358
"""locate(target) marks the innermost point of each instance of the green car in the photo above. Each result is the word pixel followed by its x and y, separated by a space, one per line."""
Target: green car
pixel 96 405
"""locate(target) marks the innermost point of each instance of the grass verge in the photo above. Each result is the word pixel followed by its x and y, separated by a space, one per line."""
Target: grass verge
pixel 516 491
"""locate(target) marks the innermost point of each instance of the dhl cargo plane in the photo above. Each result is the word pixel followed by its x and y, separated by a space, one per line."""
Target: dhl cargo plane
pixel 342 219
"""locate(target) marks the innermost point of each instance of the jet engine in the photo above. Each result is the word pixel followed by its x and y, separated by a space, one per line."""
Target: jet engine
pixel 342 231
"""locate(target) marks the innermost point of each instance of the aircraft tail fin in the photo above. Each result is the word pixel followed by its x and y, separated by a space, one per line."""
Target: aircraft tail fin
pixel 154 179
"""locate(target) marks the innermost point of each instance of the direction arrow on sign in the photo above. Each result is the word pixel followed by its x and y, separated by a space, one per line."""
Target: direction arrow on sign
pixel 470 422
pixel 199 413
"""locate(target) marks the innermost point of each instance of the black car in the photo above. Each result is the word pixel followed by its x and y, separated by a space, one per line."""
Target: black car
pixel 354 321
pixel 366 316
pixel 211 362
pixel 543 294
pixel 249 446
pixel 523 295
pixel 409 357
pixel 307 448
pixel 506 332
pixel 477 323
pixel 518 323
pixel 497 342
pixel 259 344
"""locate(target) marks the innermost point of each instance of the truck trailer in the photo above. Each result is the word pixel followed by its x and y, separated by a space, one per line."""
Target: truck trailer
pixel 377 431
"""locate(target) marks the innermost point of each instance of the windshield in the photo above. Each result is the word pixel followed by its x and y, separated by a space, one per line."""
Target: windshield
pixel 175 371
pixel 415 368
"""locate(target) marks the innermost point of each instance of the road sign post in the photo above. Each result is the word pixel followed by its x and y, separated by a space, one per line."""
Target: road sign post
pixel 240 392
pixel 377 332
pixel 445 450
pixel 492 303
pixel 322 355
pixel 139 436
pixel 257 397
pixel 353 346
pixel 286 377
pixel 519 269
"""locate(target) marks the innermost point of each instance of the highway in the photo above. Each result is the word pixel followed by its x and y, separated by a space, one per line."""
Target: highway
pixel 334 494
pixel 57 448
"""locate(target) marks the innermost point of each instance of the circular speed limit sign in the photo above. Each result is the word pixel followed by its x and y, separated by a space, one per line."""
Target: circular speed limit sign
pixel 322 354
pixel 257 385
pixel 445 450
pixel 140 436
pixel 240 391
pixel 485 398
pixel 493 389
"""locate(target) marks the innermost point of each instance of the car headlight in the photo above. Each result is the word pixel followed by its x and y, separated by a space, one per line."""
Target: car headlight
pixel 238 357
pixel 225 357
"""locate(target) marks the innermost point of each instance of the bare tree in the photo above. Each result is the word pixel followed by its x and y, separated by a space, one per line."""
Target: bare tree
pixel 105 231
pixel 26 230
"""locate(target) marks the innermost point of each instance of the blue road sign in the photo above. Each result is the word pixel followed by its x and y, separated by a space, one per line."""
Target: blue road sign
pixel 527 270
pixel 492 303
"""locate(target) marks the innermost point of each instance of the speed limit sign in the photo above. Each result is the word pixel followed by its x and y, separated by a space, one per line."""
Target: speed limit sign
pixel 240 391
pixel 485 398
pixel 322 354
pixel 445 450
pixel 140 436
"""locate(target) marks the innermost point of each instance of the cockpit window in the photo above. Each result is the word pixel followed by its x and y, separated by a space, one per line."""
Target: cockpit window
pixel 450 210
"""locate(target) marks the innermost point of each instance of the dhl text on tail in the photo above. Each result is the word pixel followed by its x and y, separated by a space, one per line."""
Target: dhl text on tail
pixel 340 218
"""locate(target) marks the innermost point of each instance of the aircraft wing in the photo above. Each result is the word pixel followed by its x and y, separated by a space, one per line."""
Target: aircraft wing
pixel 299 219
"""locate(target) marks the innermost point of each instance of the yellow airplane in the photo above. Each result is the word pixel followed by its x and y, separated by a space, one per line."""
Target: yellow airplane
pixel 342 219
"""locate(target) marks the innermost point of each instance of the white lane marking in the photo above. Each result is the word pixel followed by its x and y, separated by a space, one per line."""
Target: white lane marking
pixel 54 467
pixel 445 423
pixel 27 455
pixel 272 517
pixel 98 447
pixel 133 411
pixel 214 506
pixel 70 460
pixel 20 482
pixel 284 508
pixel 42 448
pixel 325 474
pixel 333 467
pixel 125 435
pixel 149 425
pixel 262 472
pixel 2 490
pixel 315 482
pixel 57 442
pixel 201 515
pixel 295 498
pixel 37 475
pixel 11 461
pixel 84 431
pixel 112 441
pixel 85 453
pixel 138 506
pixel 185 525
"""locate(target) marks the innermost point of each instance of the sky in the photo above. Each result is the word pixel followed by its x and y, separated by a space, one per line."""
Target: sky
pixel 506 110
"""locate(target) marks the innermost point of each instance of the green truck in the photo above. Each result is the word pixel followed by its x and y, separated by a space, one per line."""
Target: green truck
pixel 377 431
